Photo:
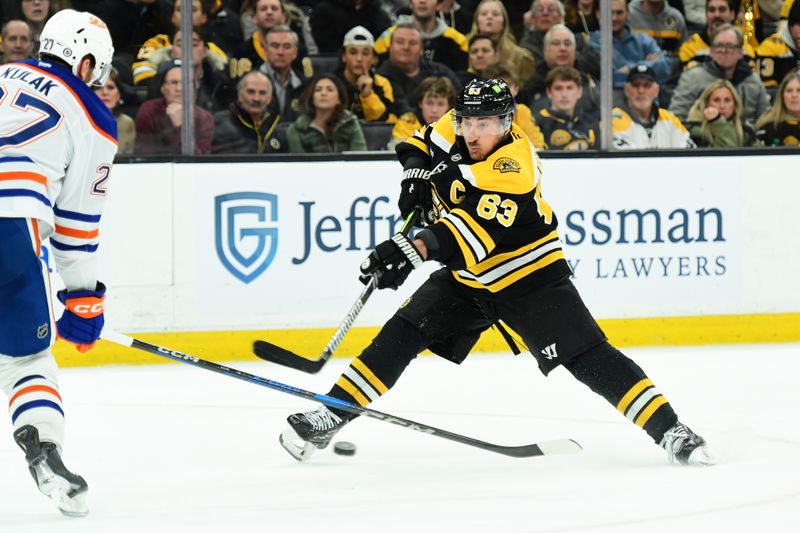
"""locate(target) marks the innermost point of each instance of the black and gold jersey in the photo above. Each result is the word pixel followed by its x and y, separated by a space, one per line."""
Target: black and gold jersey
pixel 695 51
pixel 494 229
pixel 776 59
pixel 786 133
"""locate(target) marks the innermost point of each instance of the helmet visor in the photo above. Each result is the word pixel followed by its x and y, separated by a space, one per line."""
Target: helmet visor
pixel 479 126
pixel 101 74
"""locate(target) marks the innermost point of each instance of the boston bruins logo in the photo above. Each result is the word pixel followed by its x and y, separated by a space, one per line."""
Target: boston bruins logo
pixel 506 164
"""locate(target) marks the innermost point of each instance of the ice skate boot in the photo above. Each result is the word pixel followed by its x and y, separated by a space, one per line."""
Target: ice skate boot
pixel 310 431
pixel 686 447
pixel 66 489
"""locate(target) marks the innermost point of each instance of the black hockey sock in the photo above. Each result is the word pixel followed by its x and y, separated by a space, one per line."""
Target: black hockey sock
pixel 615 377
pixel 377 369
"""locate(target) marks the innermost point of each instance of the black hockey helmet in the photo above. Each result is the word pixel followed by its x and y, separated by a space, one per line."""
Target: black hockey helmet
pixel 485 98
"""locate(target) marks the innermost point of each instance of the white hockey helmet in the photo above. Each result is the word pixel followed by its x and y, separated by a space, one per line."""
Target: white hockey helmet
pixel 72 35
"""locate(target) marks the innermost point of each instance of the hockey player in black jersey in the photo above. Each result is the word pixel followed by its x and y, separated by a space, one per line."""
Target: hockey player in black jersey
pixel 476 180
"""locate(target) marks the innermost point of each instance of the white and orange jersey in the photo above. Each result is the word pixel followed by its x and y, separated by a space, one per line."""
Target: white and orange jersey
pixel 57 146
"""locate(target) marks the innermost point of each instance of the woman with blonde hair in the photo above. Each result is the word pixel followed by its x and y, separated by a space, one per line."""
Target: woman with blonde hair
pixel 780 126
pixel 491 18
pixel 715 118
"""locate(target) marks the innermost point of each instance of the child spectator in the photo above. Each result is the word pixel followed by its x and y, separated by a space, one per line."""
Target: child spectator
pixel 640 123
pixel 715 119
pixel 326 124
pixel 562 125
pixel 111 96
pixel 780 126
pixel 435 96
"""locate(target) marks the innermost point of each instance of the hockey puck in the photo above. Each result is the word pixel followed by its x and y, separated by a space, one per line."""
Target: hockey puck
pixel 343 447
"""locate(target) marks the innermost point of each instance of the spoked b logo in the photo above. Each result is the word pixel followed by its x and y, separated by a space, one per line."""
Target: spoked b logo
pixel 246 233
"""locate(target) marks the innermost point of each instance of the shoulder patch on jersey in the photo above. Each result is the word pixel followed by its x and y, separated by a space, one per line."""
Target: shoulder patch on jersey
pixel 506 164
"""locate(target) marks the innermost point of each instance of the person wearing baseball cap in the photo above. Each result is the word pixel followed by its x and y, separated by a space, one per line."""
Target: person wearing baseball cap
pixel 640 123
pixel 370 94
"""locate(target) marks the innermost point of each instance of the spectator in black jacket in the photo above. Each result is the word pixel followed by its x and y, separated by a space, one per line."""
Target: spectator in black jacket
pixel 224 27
pixel 405 68
pixel 248 127
pixel 331 19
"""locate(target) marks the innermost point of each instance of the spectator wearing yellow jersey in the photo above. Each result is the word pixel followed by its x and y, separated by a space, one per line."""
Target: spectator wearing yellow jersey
pixel 696 49
pixel 779 54
pixel 145 69
pixel 370 94
pixel 440 42
pixel 660 21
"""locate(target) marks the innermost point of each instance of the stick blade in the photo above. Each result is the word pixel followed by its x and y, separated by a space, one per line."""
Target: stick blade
pixel 275 354
pixel 549 447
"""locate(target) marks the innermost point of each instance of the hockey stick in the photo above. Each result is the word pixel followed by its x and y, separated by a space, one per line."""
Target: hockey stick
pixel 275 354
pixel 551 447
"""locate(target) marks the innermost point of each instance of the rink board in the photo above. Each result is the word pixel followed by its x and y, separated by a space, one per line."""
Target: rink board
pixel 672 250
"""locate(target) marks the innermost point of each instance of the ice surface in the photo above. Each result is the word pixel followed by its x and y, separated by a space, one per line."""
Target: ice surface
pixel 177 448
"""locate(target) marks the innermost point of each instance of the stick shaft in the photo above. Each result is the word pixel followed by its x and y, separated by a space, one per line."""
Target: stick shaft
pixel 530 450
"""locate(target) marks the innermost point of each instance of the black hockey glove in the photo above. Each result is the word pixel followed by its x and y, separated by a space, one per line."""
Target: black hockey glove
pixel 391 262
pixel 415 194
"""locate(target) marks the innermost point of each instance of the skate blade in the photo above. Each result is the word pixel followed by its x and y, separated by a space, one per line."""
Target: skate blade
pixel 58 489
pixel 297 447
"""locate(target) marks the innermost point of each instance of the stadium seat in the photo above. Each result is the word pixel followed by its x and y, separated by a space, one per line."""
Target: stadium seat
pixel 377 134
pixel 323 63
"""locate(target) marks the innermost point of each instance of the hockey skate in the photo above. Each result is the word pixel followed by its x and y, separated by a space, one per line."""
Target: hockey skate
pixel 686 447
pixel 310 431
pixel 66 489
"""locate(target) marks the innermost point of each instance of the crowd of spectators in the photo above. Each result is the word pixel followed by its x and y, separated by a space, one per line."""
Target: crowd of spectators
pixel 303 76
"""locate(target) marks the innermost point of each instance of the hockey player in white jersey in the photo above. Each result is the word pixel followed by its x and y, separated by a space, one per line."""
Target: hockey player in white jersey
pixel 57 145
